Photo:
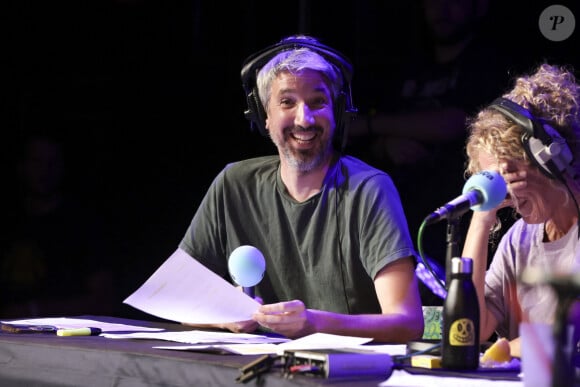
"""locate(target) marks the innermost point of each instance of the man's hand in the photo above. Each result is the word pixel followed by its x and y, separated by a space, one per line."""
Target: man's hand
pixel 290 318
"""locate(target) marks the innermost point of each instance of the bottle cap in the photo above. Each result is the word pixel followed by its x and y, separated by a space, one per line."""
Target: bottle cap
pixel 461 265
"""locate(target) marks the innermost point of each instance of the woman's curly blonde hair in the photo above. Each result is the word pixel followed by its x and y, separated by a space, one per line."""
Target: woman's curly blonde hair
pixel 550 94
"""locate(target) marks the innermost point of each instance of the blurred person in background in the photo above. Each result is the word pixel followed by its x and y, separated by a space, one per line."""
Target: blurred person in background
pixel 416 110
pixel 54 254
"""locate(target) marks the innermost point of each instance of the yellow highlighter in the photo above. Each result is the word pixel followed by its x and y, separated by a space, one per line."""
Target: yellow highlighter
pixel 79 332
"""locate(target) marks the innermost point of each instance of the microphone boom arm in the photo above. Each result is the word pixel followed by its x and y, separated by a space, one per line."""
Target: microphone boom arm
pixel 453 241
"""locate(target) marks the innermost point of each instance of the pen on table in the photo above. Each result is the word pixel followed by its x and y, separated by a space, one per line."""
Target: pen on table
pixel 25 328
pixel 79 332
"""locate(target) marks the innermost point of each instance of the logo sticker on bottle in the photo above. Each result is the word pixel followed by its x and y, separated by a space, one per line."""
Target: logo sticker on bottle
pixel 462 332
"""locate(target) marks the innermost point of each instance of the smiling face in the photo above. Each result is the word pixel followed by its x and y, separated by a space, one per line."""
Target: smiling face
pixel 300 119
pixel 462 332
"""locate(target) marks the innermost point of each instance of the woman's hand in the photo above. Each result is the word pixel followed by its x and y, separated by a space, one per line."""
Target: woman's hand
pixel 530 190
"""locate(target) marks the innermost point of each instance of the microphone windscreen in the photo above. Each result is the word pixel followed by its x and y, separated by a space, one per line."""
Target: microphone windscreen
pixel 246 265
pixel 492 187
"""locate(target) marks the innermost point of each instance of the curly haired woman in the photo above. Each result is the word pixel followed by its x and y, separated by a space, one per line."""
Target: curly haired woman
pixel 532 137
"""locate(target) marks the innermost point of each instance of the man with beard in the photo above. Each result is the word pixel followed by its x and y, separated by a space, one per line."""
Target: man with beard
pixel 339 257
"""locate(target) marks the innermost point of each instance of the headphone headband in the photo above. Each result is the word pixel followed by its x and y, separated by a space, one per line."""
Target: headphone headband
pixel 256 61
pixel 521 116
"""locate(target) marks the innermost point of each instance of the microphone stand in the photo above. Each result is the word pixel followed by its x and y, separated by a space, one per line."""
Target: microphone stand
pixel 453 240
pixel 250 291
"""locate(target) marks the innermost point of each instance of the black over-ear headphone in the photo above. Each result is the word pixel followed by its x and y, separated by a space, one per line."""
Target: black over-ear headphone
pixel 344 111
pixel 543 144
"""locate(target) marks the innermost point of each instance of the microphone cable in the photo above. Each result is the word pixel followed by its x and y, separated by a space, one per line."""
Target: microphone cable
pixel 438 282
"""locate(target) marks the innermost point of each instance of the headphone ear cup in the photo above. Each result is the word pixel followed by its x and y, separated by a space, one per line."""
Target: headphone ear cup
pixel 552 158
pixel 531 146
pixel 255 112
pixel 560 154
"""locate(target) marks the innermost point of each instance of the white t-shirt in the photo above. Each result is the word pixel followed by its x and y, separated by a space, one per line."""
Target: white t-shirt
pixel 508 298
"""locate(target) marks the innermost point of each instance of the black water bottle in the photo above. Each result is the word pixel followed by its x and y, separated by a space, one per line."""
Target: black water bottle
pixel 460 342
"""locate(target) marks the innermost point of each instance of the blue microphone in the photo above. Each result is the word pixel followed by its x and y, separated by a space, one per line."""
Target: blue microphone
pixel 481 192
pixel 246 266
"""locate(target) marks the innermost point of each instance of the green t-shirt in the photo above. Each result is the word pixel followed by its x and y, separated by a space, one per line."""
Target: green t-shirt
pixel 324 251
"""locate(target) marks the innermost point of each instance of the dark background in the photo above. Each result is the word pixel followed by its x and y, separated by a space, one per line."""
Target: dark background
pixel 149 97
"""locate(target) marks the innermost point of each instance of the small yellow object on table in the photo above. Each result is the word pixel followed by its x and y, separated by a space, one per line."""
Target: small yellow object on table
pixel 426 361
pixel 499 352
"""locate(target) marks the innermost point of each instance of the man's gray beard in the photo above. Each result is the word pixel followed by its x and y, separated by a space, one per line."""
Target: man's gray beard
pixel 305 165
pixel 302 165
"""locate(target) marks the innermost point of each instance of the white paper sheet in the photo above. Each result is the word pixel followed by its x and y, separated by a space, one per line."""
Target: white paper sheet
pixel 238 349
pixel 199 336
pixel 323 341
pixel 401 378
pixel 184 290
pixel 313 341
pixel 273 349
